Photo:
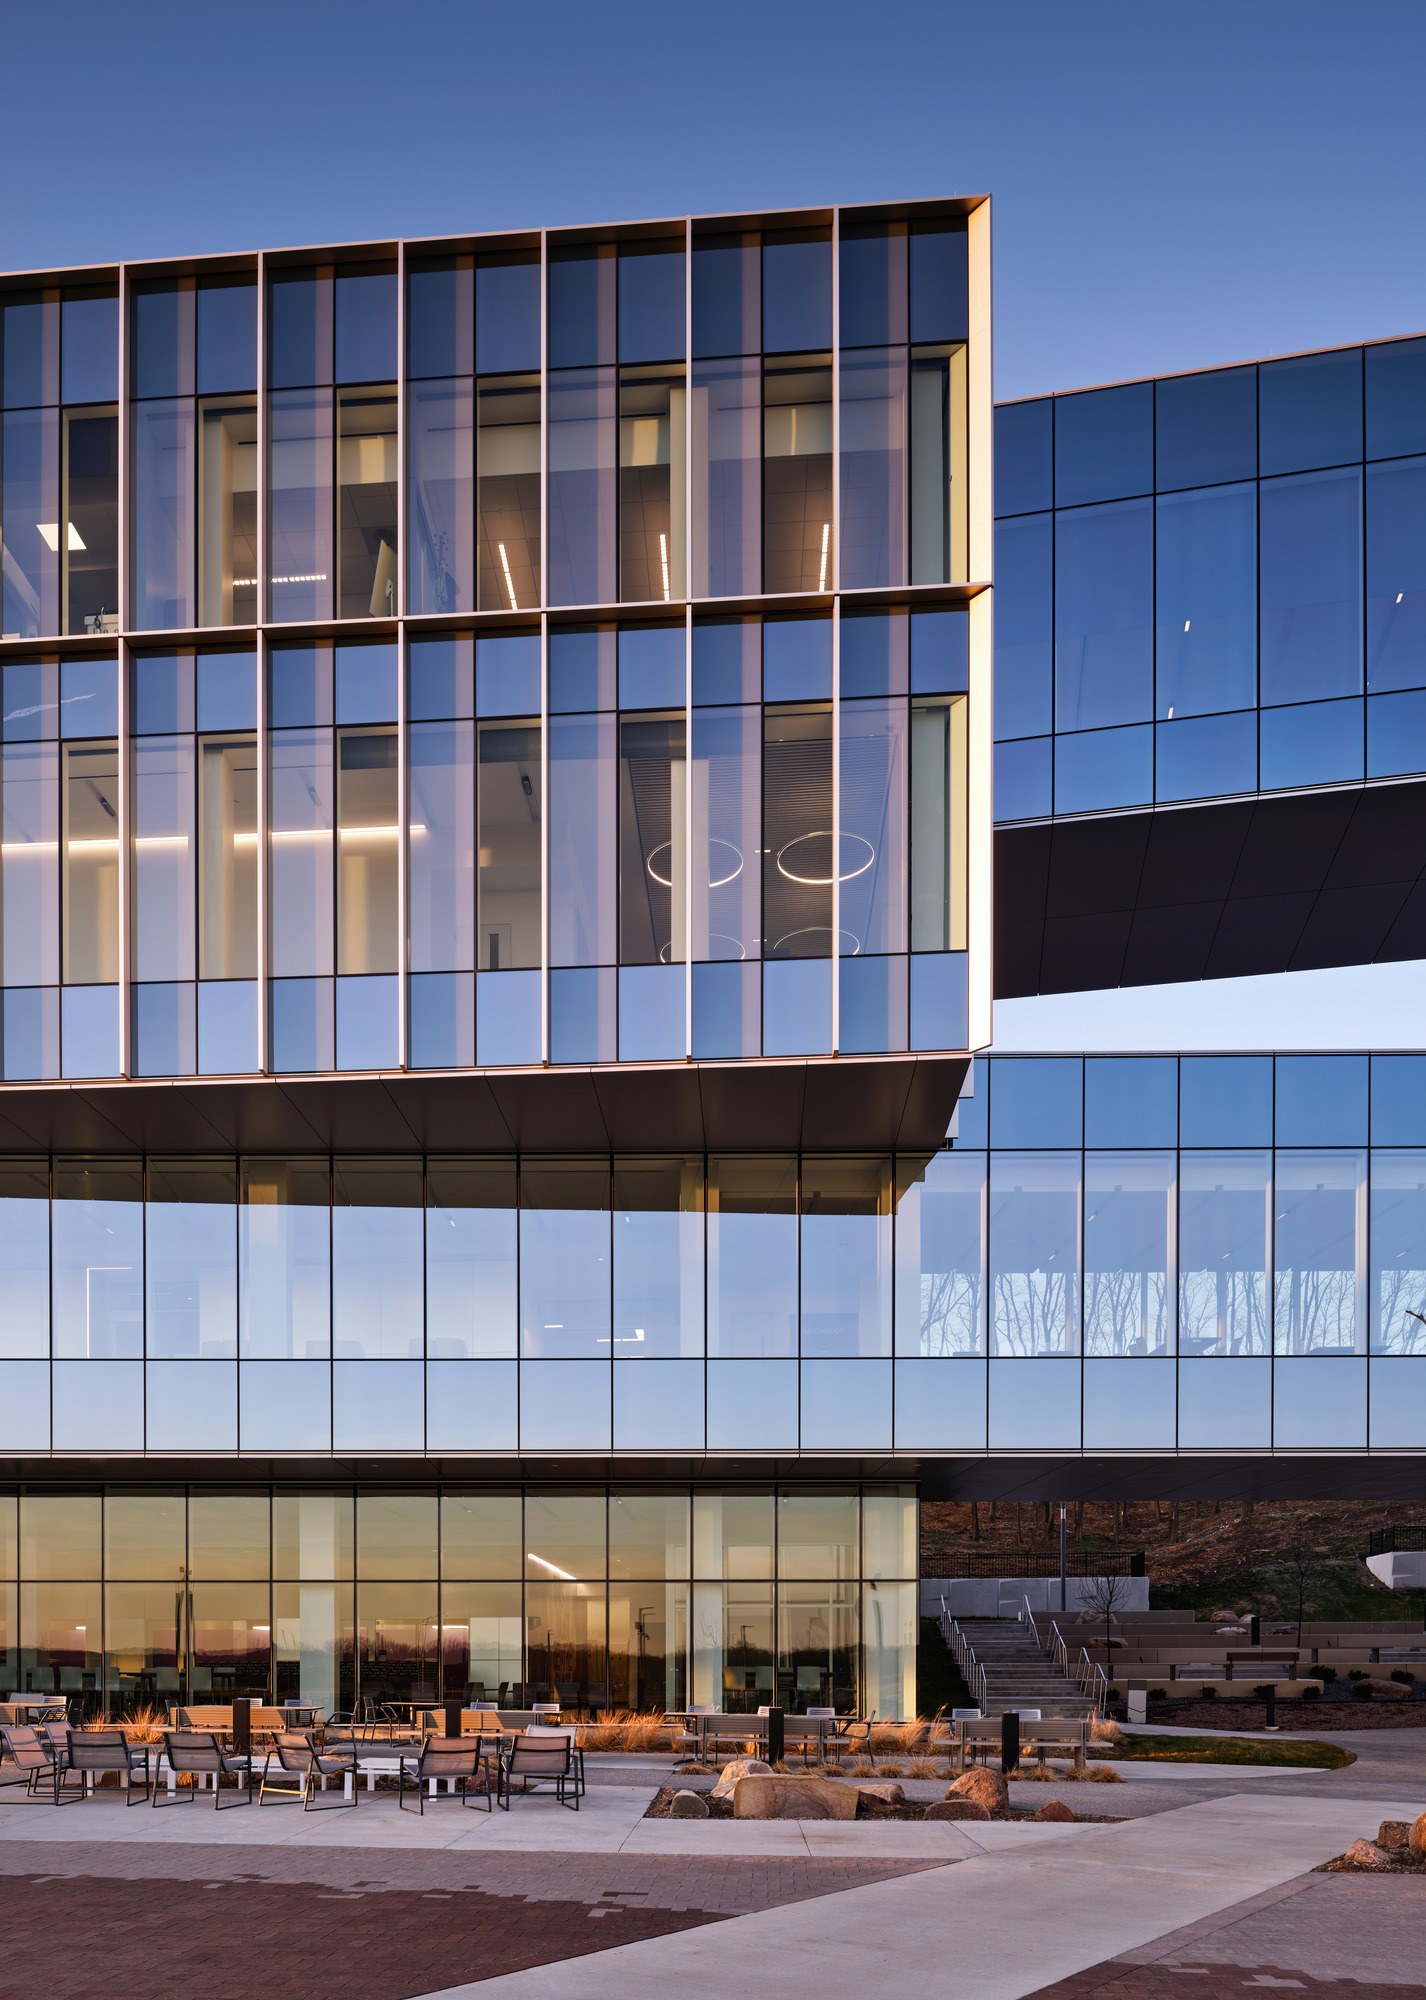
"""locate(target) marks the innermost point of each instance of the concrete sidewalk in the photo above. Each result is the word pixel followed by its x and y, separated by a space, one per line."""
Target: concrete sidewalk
pixel 1016 1917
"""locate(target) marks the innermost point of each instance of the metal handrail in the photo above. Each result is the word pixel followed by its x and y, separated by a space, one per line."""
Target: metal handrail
pixel 972 1672
pixel 1059 1649
pixel 1027 1617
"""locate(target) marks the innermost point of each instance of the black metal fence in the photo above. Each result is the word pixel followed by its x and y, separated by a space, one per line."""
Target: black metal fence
pixel 1022 1562
pixel 1381 1542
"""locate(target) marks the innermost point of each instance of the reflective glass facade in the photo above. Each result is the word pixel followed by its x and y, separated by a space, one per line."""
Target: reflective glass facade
pixel 598 1598
pixel 1212 584
pixel 553 649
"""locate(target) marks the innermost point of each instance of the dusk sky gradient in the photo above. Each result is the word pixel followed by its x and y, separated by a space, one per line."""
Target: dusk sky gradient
pixel 1174 187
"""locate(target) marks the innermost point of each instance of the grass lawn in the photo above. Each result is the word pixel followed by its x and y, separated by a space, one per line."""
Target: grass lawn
pixel 1230 1750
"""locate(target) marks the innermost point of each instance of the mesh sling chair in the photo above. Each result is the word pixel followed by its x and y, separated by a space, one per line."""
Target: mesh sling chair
pixel 546 1756
pixel 39 1760
pixel 199 1753
pixel 98 1750
pixel 450 1757
pixel 301 1767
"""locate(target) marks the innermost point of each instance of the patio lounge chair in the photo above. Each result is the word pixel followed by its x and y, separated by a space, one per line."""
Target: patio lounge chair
pixel 97 1750
pixel 544 1756
pixel 39 1760
pixel 452 1758
pixel 199 1753
pixel 300 1767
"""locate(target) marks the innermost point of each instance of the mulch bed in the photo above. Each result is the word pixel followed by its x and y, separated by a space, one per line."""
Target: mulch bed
pixel 868 1807
pixel 1292 1716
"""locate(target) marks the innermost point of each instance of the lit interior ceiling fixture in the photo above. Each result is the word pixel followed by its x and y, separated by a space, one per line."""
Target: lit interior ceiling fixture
pixel 509 582
pixel 812 859
pixel 48 532
pixel 826 538
pixel 715 881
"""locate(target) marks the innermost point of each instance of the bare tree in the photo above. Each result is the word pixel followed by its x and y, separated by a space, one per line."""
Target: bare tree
pixel 1101 1594
pixel 1305 1570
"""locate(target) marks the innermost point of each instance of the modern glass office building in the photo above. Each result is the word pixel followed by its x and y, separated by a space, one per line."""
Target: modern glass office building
pixel 495 778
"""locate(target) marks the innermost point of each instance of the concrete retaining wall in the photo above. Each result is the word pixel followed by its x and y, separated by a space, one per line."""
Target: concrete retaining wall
pixel 1002 1596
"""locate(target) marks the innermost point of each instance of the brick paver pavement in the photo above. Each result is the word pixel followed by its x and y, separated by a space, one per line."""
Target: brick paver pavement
pixel 1357 1937
pixel 83 1921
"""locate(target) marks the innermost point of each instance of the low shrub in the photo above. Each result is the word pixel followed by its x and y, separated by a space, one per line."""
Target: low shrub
pixel 1158 1694
pixel 1403 1675
pixel 1312 1693
pixel 1361 1690
pixel 1358 1674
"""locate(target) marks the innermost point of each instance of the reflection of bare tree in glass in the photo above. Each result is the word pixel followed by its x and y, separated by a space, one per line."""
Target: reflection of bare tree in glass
pixel 951 1306
pixel 1125 1312
pixel 1314 1312
pixel 1032 1310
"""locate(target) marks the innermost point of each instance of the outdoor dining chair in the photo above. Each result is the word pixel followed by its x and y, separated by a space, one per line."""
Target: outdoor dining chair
pixel 452 1758
pixel 39 1760
pixel 544 1756
pixel 199 1753
pixel 99 1750
pixel 301 1767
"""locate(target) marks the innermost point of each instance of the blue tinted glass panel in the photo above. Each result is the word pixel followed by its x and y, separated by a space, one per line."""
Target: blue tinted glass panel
pixel 727 661
pixel 1319 743
pixel 1396 398
pixel 1398 1100
pixel 162 334
pixel 89 1030
pixel 1104 444
pixel 1024 625
pixel 227 337
pixel 651 1013
pixel 1036 1101
pixel 1398 1403
pixel 872 1005
pixel 564 1261
pixel 582 306
pixel 1206 756
pixel 1396 734
pixel 1311 586
pixel 1396 575
pixel 378 1406
pixel 1129 1399
pixel 227 691
pixel 164 1030
pixel 658 1406
pixel 1226 1101
pixel 940 297
pixel 972 1118
pixel 752 1405
pixel 797 659
pixel 299 330
pixel 442 1020
pixel 1104 615
pixel 89 698
pixel 1320 1405
pixel 440 679
pixel 302 1026
pixel 1034 1405
pixel 797 290
pixel 89 350
pixel 651 303
pixel 872 292
pixel 227 1027
pixel 161 694
pixel 583 1006
pixel 507 315
pixel 1224 1221
pixel 938 1000
pixel 583 671
pixel 366 1022
pixel 31 1032
pixel 874 656
pixel 846 1405
pixel 940 1407
pixel 1206 618
pixel 1321 1100
pixel 366 325
pixel 727 1010
pixel 652 673
pixel 1206 428
pixel 727 309
pixel 940 652
pixel 1024 779
pixel 1024 456
pixel 366 683
pixel 797 1007
pixel 1098 769
pixel 507 1018
pixel 1309 411
pixel 299 687
pixel 28 358
pixel 1225 1403
pixel 507 674
pixel 1130 1101
pixel 438 317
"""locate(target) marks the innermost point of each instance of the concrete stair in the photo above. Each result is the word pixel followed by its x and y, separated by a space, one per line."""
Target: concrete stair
pixel 1017 1673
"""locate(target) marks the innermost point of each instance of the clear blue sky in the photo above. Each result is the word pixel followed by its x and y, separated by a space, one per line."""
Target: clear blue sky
pixel 1174 186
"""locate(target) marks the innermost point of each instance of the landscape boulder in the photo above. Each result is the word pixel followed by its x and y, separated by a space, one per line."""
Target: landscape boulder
pixel 957 1809
pixel 1394 1833
pixel 1053 1809
pixel 1366 1854
pixel 774 1797
pixel 1416 1840
pixel 987 1788
pixel 739 1767
pixel 688 1805
pixel 889 1794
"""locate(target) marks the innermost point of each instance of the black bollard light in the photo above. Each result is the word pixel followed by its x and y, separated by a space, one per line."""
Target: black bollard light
pixel 242 1725
pixel 1271 1705
pixel 776 1737
pixel 1010 1742
pixel 453 1718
